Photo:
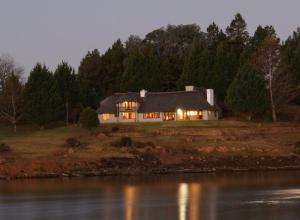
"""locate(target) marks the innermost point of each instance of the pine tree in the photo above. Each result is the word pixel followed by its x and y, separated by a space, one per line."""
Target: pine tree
pixel 90 76
pixel 224 69
pixel 113 65
pixel 190 73
pixel 247 92
pixel 68 87
pixel 42 100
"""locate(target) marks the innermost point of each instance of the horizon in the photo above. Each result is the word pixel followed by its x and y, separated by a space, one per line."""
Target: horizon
pixel 35 35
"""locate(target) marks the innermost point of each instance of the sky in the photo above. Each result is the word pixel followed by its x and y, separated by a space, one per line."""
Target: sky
pixel 49 31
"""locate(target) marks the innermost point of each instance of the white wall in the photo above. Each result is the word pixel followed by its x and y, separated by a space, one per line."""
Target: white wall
pixel 210 115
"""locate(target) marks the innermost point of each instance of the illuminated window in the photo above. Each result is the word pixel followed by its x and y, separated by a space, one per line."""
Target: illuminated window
pixel 128 105
pixel 105 117
pixel 128 115
pixel 169 116
pixel 151 115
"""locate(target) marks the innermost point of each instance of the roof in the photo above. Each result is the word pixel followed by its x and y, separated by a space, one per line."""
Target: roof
pixel 159 101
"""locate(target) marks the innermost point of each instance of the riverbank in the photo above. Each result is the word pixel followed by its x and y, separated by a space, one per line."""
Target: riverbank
pixel 153 148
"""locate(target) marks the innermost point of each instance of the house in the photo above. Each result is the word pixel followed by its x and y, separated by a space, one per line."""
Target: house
pixel 143 106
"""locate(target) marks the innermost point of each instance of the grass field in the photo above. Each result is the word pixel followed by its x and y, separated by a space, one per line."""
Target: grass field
pixel 218 137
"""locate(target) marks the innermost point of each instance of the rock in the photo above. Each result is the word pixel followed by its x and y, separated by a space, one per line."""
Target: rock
pixel 101 136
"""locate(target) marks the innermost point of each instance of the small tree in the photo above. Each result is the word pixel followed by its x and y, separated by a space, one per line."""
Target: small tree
pixel 89 118
pixel 11 100
pixel 247 92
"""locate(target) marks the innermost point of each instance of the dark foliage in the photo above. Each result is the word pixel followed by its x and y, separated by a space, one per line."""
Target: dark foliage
pixel 88 118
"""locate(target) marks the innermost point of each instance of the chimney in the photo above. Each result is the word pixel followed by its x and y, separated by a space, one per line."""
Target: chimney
pixel 143 93
pixel 210 96
pixel 189 88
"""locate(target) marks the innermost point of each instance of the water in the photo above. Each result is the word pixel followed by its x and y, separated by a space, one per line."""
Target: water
pixel 271 195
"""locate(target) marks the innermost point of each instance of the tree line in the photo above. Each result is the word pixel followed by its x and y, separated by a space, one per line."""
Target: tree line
pixel 250 74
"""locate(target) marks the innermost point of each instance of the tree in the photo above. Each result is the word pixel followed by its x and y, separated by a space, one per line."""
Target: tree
pixel 113 67
pixel 7 68
pixel 237 30
pixel 247 92
pixel 68 87
pixel 43 103
pixel 191 66
pixel 90 76
pixel 89 118
pixel 291 56
pixel 267 59
pixel 11 100
pixel 224 69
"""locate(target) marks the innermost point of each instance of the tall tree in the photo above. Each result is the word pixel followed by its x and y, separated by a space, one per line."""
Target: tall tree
pixel 192 64
pixel 11 100
pixel 68 87
pixel 42 99
pixel 237 30
pixel 291 56
pixel 224 69
pixel 247 93
pixel 90 76
pixel 267 59
pixel 113 65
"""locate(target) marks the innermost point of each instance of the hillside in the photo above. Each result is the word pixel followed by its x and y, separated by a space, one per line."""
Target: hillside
pixel 201 146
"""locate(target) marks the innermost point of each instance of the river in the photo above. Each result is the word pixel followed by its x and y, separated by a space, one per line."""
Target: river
pixel 269 195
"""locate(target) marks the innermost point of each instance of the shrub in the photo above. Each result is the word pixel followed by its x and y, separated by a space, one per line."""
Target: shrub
pixel 88 118
pixel 140 144
pixel 297 147
pixel 123 142
pixel 73 142
pixel 115 129
pixel 4 148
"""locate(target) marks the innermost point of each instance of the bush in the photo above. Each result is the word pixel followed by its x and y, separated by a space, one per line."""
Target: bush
pixel 140 144
pixel 123 142
pixel 4 148
pixel 115 129
pixel 297 147
pixel 89 118
pixel 73 142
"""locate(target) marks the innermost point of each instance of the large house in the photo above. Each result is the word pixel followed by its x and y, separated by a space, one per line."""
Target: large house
pixel 143 106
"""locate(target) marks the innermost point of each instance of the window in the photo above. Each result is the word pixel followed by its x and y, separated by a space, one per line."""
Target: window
pixel 168 116
pixel 128 105
pixel 151 115
pixel 105 117
pixel 128 115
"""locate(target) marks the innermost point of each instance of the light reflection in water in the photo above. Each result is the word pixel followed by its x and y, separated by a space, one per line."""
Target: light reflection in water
pixel 194 201
pixel 130 196
pixel 183 194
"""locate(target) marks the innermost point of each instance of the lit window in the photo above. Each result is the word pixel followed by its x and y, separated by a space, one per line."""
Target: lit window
pixel 128 105
pixel 105 117
pixel 151 115
pixel 128 115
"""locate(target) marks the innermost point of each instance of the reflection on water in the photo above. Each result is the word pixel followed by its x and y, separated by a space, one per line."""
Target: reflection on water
pixel 183 197
pixel 130 200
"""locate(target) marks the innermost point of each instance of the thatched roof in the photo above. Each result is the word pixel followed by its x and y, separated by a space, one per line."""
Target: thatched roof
pixel 159 101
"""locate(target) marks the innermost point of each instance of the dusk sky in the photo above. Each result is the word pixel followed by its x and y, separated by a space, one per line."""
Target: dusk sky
pixel 50 31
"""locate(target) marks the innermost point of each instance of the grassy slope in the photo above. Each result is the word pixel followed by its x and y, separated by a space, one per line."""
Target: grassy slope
pixel 217 137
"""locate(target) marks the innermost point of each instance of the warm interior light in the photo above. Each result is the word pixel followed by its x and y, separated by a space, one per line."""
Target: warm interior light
pixel 179 114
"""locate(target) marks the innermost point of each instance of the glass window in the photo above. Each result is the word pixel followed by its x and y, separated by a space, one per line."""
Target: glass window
pixel 128 115
pixel 151 115
pixel 105 117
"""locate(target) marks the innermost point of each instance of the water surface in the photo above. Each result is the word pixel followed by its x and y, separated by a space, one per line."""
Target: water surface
pixel 271 195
